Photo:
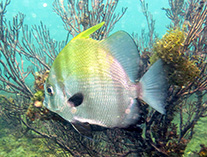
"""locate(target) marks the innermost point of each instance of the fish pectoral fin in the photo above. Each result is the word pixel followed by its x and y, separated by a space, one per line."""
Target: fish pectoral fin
pixel 82 128
pixel 76 99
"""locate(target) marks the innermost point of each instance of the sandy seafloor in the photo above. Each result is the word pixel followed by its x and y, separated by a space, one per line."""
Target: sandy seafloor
pixel 11 146
pixel 132 21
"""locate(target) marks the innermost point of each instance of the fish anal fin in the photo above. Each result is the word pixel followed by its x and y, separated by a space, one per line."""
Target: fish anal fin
pixel 82 128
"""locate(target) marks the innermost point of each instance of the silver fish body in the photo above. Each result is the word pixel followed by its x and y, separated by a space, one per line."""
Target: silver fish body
pixel 95 82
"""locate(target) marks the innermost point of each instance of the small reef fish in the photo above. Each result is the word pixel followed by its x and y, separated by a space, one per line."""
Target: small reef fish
pixel 94 82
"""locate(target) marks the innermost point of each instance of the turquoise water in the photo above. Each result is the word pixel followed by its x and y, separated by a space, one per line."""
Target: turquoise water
pixel 132 22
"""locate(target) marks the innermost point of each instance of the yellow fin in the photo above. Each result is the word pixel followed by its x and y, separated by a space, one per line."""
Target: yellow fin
pixel 88 32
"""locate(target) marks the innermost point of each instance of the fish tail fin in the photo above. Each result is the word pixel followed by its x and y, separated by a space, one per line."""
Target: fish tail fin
pixel 152 87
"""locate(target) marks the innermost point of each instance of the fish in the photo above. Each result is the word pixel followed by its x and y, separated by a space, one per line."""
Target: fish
pixel 94 82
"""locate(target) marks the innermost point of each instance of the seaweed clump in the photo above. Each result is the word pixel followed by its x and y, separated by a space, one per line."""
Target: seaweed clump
pixel 40 78
pixel 36 110
pixel 180 68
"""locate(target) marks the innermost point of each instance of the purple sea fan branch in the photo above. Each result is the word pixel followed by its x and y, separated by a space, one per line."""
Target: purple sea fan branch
pixel 18 58
pixel 197 27
pixel 13 72
pixel 175 12
pixel 85 15
pixel 43 54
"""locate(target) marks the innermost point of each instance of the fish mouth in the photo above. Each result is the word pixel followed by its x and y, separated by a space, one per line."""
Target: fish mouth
pixel 45 103
pixel 76 99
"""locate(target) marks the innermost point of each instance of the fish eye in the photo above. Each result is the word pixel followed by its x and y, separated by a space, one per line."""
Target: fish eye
pixel 50 90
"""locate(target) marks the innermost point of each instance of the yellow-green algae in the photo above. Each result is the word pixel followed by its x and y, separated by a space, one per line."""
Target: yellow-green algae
pixel 200 137
pixel 11 146
pixel 38 96
pixel 181 69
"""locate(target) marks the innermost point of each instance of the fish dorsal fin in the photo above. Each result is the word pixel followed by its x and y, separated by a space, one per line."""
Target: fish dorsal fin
pixel 123 48
pixel 88 32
